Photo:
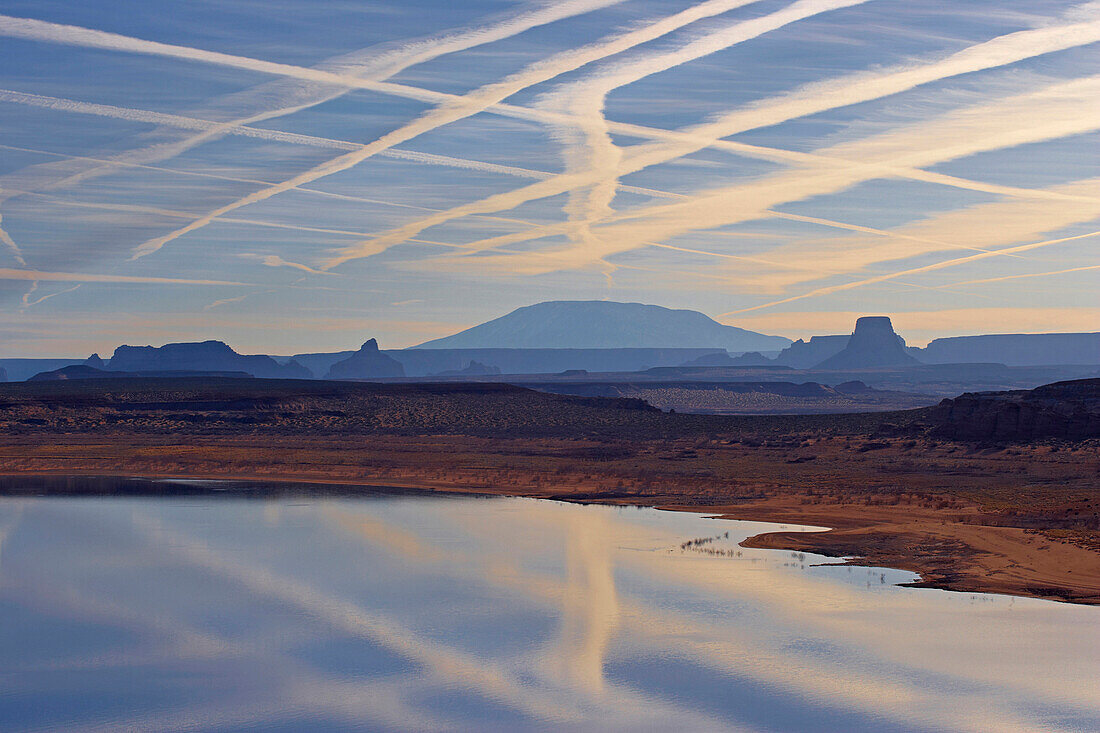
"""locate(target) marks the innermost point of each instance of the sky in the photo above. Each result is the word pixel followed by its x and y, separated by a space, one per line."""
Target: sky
pixel 300 175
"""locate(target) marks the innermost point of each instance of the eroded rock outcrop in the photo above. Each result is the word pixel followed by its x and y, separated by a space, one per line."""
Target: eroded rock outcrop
pixel 367 363
pixel 805 354
pixel 203 356
pixel 1068 410
pixel 872 344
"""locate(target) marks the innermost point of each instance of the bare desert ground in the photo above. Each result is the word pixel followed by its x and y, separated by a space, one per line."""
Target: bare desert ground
pixel 1008 517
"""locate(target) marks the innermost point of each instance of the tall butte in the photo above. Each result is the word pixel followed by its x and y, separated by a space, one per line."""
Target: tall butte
pixel 872 344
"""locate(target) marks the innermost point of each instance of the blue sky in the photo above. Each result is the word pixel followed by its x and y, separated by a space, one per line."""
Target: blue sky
pixel 299 176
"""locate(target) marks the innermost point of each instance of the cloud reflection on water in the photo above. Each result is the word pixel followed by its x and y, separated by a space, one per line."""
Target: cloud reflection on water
pixel 553 613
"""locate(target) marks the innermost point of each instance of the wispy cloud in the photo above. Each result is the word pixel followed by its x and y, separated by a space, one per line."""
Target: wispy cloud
pixel 38 30
pixel 451 107
pixel 1068 109
pixel 28 303
pixel 604 160
pixel 29 181
pixel 592 149
pixel 938 120
pixel 988 227
pixel 1023 276
pixel 75 277
pixel 7 241
pixel 73 35
pixel 955 262
pixel 281 98
pixel 224 301
pixel 277 261
pixel 597 163
pixel 460 107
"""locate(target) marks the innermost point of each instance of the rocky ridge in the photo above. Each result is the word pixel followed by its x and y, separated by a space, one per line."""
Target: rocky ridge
pixel 1069 410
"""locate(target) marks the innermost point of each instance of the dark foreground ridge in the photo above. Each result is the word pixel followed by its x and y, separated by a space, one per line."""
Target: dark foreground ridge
pixel 302 407
pixel 1068 410
pixel 225 405
pixel 83 371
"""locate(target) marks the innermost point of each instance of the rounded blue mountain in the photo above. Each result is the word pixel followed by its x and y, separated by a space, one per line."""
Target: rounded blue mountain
pixel 601 324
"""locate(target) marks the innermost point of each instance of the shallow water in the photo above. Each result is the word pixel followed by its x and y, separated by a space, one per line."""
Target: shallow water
pixel 406 611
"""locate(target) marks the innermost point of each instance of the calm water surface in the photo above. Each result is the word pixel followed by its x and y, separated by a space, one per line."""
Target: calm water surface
pixel 397 611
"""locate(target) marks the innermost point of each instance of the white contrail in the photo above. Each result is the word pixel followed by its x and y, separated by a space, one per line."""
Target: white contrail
pixel 73 277
pixel 277 261
pixel 224 301
pixel 673 136
pixel 291 97
pixel 297 98
pixel 28 303
pixel 914 271
pixel 71 35
pixel 171 213
pixel 8 242
pixel 40 30
pixel 1055 111
pixel 1020 277
pixel 426 158
pixel 451 107
pixel 810 99
pixel 193 123
pixel 587 97
pixel 44 31
pixel 27 295
pixel 535 115
pixel 413 53
pixel 175 214
pixel 984 227
pixel 464 106
pixel 157 118
pixel 594 151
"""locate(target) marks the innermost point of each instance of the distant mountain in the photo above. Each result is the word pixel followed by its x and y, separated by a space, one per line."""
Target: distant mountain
pixel 19 370
pixel 752 358
pixel 428 362
pixel 425 362
pixel 853 387
pixel 318 363
pixel 714 359
pixel 473 369
pixel 872 344
pixel 367 363
pixel 599 324
pixel 1015 349
pixel 205 356
pixel 723 359
pixel 805 354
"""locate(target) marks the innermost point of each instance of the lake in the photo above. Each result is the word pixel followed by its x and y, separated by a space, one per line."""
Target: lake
pixel 252 611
